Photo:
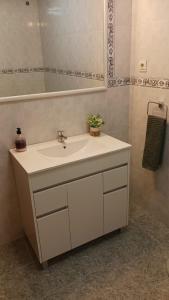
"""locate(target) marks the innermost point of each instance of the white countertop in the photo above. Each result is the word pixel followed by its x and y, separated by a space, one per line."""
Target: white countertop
pixel 33 161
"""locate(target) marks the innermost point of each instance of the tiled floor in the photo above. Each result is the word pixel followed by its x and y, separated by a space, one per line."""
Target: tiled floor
pixel 127 265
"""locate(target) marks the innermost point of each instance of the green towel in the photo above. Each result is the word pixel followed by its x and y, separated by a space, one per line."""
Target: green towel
pixel 154 144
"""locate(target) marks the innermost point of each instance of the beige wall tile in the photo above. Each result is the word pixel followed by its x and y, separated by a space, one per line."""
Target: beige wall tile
pixel 150 37
pixel 149 41
pixel 150 189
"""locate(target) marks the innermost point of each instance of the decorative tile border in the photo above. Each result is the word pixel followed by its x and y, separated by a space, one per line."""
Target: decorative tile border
pixel 110 42
pixel 87 75
pixel 119 81
pixel 141 82
pixel 21 70
pixel 150 82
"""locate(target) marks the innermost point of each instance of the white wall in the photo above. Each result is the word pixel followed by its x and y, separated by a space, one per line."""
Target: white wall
pixel 150 40
pixel 150 37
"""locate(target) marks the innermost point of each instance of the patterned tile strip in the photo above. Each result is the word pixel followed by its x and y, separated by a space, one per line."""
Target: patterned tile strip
pixel 87 75
pixel 111 42
pixel 142 82
pixel 119 81
pixel 113 82
pixel 150 82
pixel 21 70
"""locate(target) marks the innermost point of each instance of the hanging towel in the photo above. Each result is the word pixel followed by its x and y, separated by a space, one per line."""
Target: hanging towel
pixel 154 144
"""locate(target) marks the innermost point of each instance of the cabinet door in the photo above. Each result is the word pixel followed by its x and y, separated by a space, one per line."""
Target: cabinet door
pixel 85 202
pixel 54 234
pixel 115 210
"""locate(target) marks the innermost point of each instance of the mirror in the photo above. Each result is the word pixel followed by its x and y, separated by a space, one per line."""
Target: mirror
pixel 51 46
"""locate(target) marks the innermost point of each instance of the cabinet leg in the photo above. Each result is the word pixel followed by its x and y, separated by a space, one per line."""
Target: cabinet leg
pixel 44 265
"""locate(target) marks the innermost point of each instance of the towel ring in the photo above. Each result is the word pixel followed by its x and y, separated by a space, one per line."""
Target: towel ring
pixel 161 105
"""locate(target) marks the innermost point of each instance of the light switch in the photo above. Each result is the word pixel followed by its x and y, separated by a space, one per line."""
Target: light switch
pixel 143 66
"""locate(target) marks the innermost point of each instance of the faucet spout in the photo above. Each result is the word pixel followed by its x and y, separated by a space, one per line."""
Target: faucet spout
pixel 61 137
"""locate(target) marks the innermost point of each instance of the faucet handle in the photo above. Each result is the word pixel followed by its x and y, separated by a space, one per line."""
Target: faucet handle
pixel 60 136
pixel 60 132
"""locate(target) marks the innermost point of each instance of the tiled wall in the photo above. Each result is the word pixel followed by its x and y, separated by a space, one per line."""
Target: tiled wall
pixel 72 42
pixel 20 48
pixel 150 41
pixel 41 118
pixel 150 38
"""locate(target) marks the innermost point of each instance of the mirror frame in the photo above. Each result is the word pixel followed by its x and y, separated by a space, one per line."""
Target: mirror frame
pixel 48 95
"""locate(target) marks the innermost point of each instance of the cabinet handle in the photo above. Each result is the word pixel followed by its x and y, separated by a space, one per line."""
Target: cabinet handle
pixel 52 212
pixel 119 188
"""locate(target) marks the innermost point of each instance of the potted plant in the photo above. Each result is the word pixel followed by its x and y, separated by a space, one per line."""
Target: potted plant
pixel 95 122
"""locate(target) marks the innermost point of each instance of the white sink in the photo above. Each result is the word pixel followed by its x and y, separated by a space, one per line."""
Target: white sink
pixel 52 154
pixel 63 150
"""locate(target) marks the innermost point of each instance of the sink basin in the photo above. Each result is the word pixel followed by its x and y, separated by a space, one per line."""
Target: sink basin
pixel 63 150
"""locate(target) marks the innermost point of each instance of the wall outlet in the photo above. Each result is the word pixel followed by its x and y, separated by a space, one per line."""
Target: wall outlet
pixel 143 66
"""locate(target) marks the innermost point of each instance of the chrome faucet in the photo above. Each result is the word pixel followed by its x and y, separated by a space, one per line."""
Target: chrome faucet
pixel 61 137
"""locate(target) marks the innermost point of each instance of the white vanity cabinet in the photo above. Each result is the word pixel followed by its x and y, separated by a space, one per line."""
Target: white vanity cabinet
pixel 69 205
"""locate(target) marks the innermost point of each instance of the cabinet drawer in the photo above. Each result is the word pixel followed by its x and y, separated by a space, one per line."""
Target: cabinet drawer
pixel 54 234
pixel 50 200
pixel 115 178
pixel 115 210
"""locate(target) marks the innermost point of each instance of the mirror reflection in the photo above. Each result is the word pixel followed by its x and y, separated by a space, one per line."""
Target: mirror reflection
pixel 51 45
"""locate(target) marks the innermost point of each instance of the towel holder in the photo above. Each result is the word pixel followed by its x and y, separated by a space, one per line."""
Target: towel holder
pixel 161 105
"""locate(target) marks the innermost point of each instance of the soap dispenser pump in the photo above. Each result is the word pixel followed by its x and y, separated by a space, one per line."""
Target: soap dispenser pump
pixel 20 141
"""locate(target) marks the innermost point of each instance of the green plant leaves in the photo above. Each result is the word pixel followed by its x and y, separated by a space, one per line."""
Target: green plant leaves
pixel 95 121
